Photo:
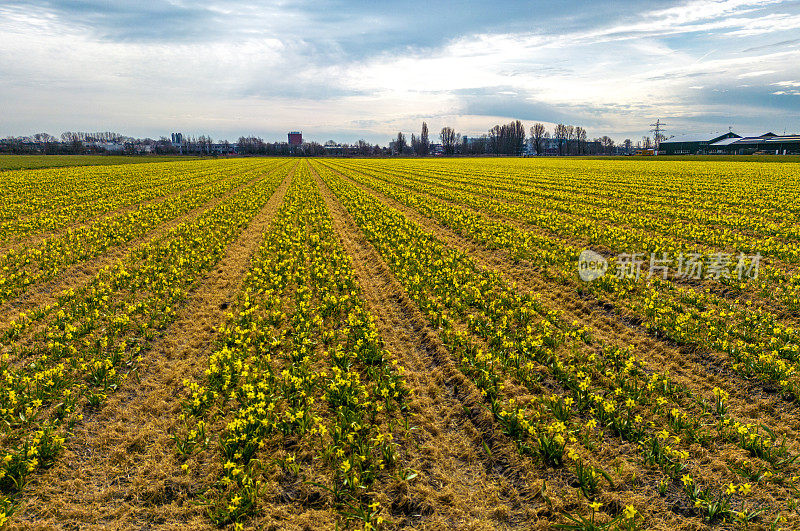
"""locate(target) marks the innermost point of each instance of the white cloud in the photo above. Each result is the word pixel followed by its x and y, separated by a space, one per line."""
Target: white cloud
pixel 767 24
pixel 616 76
pixel 759 73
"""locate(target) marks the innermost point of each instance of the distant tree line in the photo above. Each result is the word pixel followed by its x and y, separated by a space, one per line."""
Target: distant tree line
pixel 502 139
pixel 511 139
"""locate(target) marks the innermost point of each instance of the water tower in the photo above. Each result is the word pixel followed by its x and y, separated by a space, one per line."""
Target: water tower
pixel 295 138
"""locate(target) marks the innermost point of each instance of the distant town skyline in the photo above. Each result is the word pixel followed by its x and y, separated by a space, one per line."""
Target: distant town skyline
pixel 351 70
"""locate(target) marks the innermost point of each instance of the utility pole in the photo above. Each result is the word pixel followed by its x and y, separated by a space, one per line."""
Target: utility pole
pixel 658 133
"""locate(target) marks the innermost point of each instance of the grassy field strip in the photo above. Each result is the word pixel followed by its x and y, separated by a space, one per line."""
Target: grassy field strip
pixel 24 162
pixel 98 334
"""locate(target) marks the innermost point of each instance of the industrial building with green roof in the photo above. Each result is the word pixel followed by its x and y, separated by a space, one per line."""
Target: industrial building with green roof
pixel 692 144
pixel 731 144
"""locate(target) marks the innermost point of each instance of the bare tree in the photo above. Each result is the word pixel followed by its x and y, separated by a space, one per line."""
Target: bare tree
pixel 516 138
pixel 363 147
pixel 537 133
pixel 608 144
pixel 495 136
pixel 476 145
pixel 569 135
pixel 424 142
pixel 400 143
pixel 507 139
pixel 44 137
pixel 448 138
pixel 560 134
pixel 580 140
pixel 204 144
pixel 415 144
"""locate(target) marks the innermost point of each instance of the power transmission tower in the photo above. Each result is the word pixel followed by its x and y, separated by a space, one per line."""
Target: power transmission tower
pixel 658 133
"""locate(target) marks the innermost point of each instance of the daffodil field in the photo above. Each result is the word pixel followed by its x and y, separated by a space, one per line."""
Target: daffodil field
pixel 317 376
pixel 401 343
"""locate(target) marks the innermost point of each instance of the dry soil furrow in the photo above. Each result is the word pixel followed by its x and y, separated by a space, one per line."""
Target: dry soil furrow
pixel 121 470
pixel 78 275
pixel 459 484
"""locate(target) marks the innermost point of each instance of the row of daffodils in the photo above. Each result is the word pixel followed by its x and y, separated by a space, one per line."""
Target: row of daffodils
pixel 300 392
pixel 599 394
pixel 64 358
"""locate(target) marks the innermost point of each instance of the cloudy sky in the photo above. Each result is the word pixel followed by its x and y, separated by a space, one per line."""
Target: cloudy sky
pixel 365 69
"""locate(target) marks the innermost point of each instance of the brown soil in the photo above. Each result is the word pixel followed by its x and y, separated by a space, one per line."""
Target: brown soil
pixel 120 468
pixel 459 485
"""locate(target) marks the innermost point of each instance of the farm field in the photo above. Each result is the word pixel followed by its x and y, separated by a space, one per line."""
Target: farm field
pixel 391 343
pixel 25 162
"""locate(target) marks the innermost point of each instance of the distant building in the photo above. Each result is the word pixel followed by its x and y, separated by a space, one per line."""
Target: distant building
pixel 332 147
pixel 295 138
pixel 105 146
pixel 135 147
pixel 768 143
pixel 177 139
pixel 549 146
pixel 223 148
pixel 692 144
